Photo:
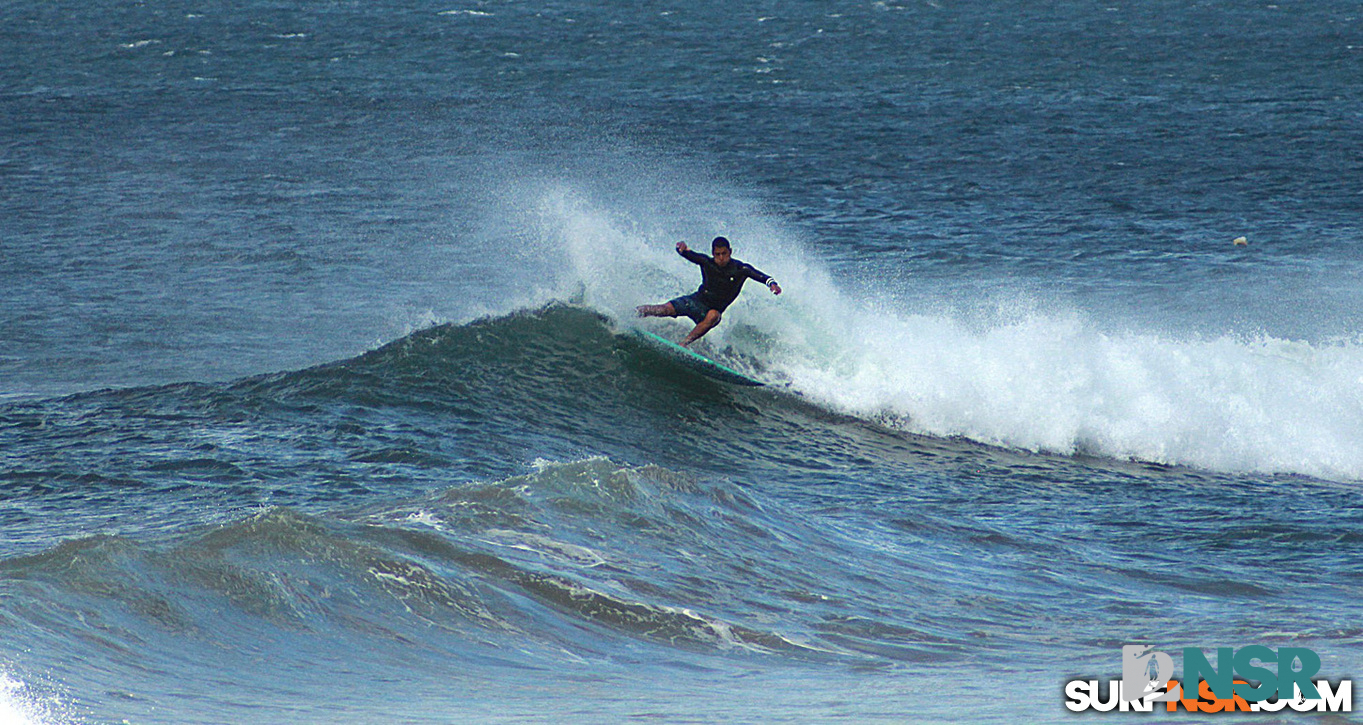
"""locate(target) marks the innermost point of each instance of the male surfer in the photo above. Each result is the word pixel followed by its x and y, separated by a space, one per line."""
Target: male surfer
pixel 722 277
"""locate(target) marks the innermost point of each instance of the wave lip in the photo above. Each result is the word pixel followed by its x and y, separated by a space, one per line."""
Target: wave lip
pixel 1043 382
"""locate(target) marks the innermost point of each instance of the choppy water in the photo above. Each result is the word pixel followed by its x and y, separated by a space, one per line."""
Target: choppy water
pixel 317 402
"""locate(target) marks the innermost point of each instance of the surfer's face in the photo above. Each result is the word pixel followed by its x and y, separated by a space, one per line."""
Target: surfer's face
pixel 722 256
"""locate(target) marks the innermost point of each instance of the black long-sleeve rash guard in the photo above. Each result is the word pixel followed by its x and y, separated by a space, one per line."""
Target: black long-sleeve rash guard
pixel 719 286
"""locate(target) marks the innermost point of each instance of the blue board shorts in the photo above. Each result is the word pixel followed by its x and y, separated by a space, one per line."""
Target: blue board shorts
pixel 691 306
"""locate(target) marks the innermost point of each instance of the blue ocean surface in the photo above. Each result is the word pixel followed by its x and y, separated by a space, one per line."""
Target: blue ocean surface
pixel 319 402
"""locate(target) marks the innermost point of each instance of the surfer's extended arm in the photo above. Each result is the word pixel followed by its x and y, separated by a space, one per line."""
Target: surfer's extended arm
pixel 690 256
pixel 758 275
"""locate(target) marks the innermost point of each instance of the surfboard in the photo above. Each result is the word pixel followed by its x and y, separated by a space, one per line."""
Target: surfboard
pixel 691 359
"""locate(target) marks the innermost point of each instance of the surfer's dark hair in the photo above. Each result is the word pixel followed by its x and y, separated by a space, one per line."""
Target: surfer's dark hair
pixel 719 243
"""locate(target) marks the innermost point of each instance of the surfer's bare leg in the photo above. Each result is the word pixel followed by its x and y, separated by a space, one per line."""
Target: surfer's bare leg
pixel 711 319
pixel 664 310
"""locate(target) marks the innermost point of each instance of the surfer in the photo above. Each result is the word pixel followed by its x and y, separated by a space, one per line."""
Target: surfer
pixel 722 278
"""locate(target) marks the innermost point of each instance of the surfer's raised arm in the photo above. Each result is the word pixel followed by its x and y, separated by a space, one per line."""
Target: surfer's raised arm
pixel 722 278
pixel 690 256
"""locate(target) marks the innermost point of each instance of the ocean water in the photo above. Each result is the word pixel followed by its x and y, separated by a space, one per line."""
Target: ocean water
pixel 318 402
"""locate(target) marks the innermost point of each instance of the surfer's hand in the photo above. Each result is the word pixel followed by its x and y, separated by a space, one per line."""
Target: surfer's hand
pixel 681 246
pixel 775 288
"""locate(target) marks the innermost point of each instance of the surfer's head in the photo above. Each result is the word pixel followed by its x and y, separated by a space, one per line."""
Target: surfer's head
pixel 719 248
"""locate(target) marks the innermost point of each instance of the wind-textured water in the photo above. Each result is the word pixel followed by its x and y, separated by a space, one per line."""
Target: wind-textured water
pixel 318 402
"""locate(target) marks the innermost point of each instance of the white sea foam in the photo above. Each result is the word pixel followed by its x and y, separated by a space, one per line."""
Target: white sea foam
pixel 18 706
pixel 1055 382
pixel 1034 378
